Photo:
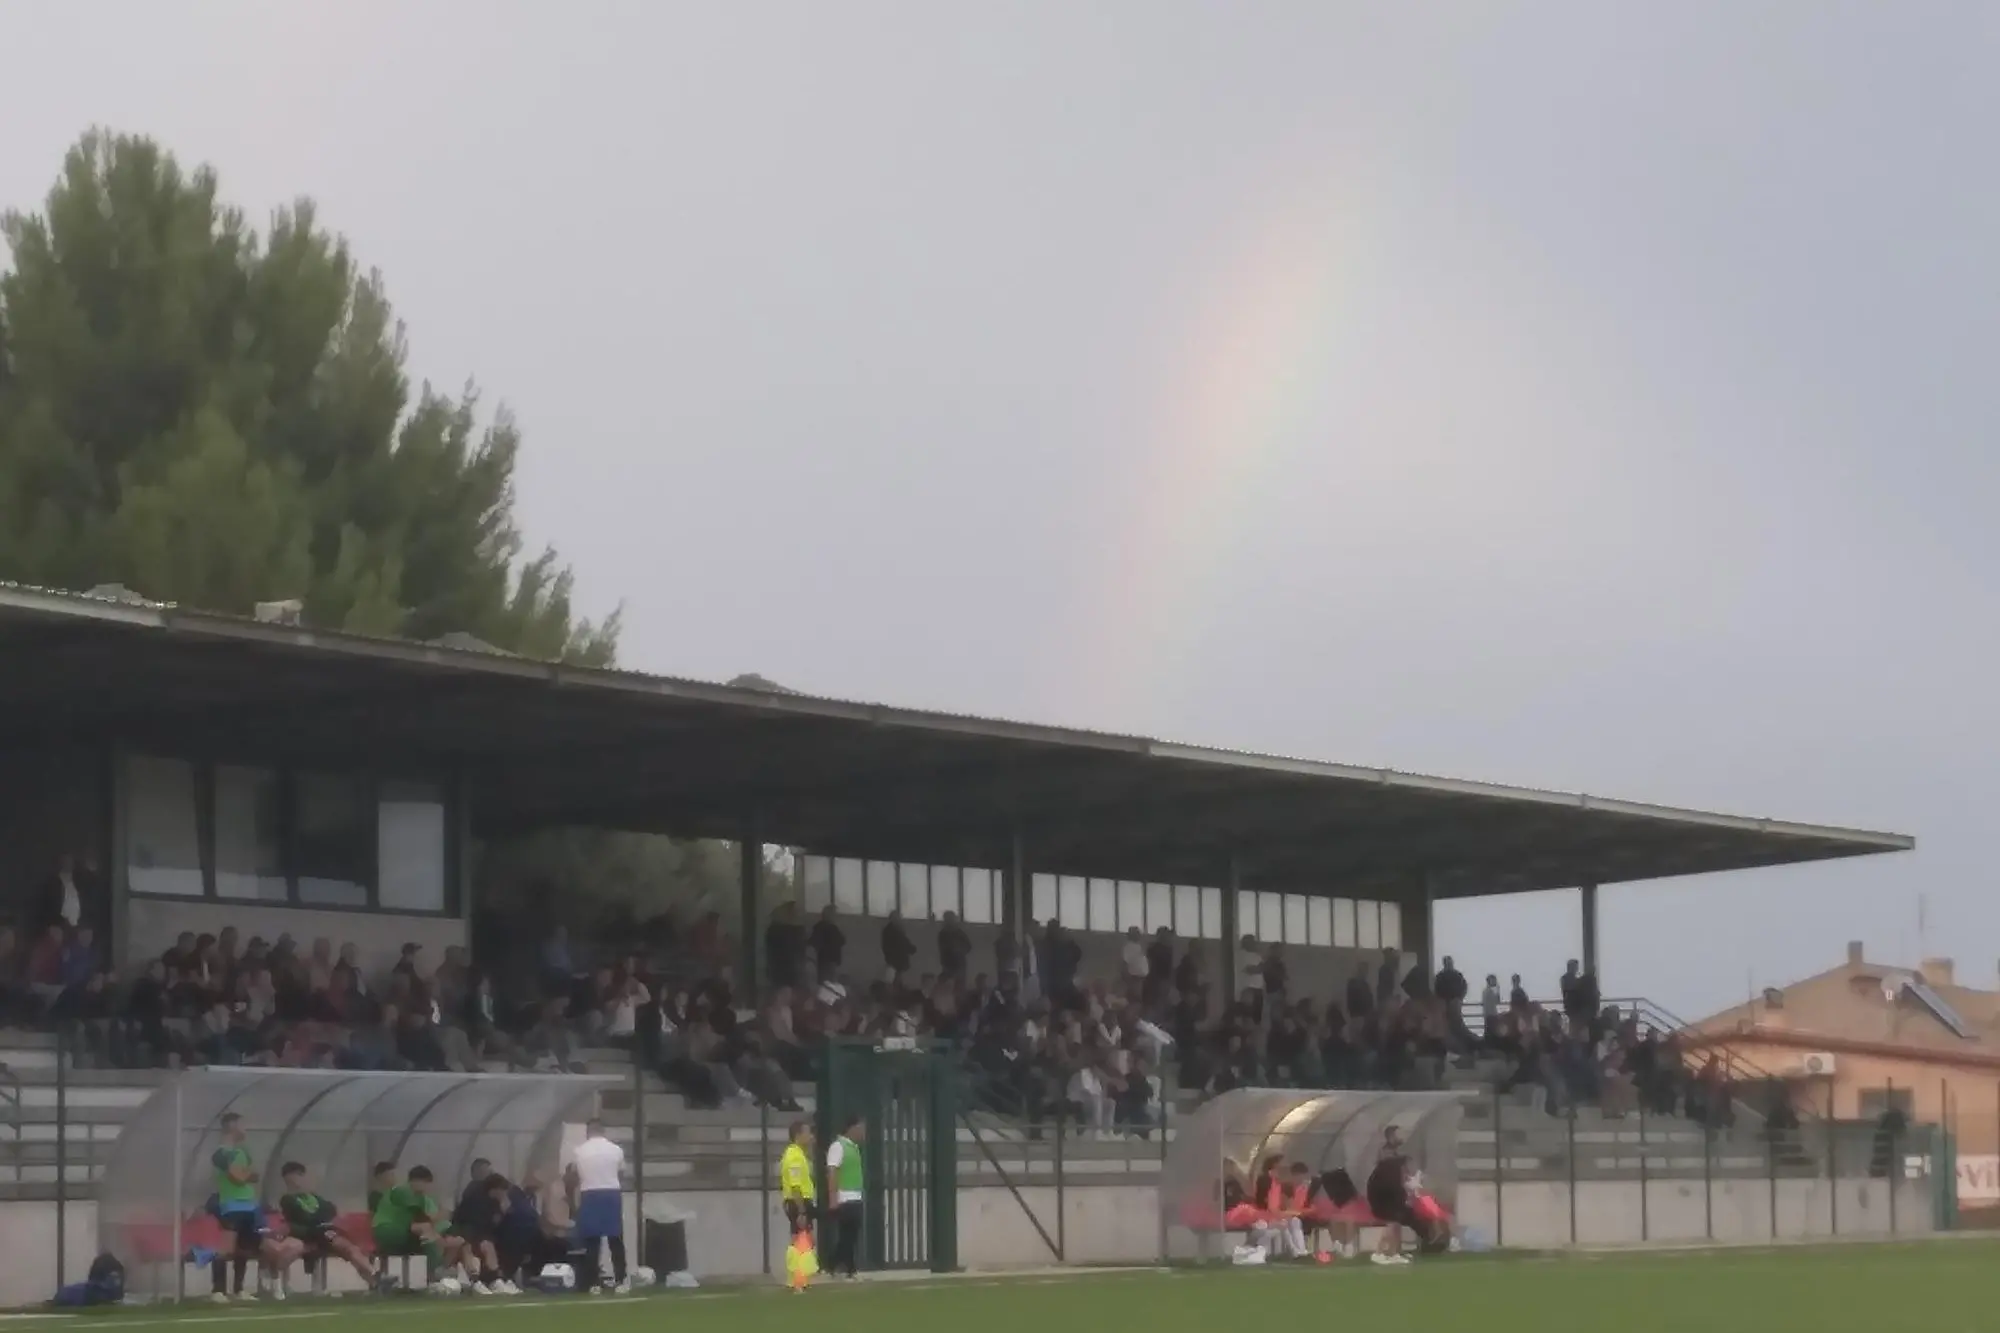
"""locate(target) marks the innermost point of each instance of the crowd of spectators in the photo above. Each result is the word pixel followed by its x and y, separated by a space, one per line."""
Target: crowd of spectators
pixel 1041 1038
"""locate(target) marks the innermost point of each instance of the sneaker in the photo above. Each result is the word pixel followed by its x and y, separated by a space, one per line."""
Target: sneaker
pixel 508 1288
pixel 220 1297
pixel 624 1288
pixel 278 1292
pixel 1380 1258
pixel 484 1289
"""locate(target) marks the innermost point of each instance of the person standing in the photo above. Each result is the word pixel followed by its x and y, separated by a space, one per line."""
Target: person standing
pixel 242 1216
pixel 846 1181
pixel 797 1194
pixel 600 1204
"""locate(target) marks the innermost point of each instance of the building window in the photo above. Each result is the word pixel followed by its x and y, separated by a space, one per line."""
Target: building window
pixel 1043 898
pixel 1343 923
pixel 410 848
pixel 1073 902
pixel 249 835
pixel 1187 911
pixel 850 896
pixel 1319 922
pixel 881 888
pixel 913 891
pixel 162 828
pixel 1368 926
pixel 976 889
pixel 1392 925
pixel 333 839
pixel 1211 914
pixel 815 883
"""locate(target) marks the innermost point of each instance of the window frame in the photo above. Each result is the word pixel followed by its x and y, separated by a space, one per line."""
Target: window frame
pixel 373 779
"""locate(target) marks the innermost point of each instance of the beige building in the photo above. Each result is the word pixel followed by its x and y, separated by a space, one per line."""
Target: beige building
pixel 1865 1036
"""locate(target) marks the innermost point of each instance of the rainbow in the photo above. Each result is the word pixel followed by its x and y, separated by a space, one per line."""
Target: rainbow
pixel 1246 369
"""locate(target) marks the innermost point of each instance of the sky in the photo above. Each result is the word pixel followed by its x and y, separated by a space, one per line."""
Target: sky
pixel 1582 395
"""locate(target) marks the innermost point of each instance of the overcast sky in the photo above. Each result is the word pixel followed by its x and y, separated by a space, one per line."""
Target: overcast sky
pixel 1584 395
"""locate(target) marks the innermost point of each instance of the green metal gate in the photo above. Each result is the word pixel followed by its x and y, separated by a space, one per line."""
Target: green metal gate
pixel 906 1094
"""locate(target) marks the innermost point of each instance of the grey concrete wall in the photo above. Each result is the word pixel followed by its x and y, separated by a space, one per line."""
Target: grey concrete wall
pixel 1109 1223
pixel 1536 1215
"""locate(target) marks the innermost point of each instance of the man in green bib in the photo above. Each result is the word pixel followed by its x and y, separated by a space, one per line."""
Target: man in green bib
pixel 236 1206
pixel 847 1188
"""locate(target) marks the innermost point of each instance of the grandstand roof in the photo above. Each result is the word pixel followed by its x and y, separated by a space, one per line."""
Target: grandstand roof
pixel 543 743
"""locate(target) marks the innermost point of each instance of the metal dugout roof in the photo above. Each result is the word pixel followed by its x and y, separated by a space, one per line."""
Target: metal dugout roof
pixel 540 743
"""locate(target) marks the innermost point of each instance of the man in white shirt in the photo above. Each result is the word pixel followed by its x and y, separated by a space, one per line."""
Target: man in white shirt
pixel 1133 955
pixel 1250 975
pixel 600 1204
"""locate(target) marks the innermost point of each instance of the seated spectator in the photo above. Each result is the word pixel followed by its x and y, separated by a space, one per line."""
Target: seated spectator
pixel 373 1045
pixel 548 1041
pixel 45 968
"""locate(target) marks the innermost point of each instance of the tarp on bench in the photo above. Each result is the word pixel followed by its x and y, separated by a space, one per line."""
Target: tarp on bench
pixel 337 1124
pixel 1230 1136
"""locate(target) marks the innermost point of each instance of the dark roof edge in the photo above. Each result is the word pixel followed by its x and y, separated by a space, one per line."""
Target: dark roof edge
pixel 174 619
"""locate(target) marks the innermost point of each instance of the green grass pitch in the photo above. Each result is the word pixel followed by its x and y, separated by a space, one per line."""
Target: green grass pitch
pixel 1937 1287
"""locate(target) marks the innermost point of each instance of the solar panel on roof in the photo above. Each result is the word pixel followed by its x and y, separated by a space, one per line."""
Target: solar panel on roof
pixel 1940 1007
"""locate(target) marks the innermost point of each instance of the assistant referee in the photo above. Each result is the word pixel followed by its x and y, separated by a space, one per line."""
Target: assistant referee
pixel 795 1179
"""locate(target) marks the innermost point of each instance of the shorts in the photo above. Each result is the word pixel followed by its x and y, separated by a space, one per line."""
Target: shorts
pixel 247 1225
pixel 801 1214
pixel 600 1215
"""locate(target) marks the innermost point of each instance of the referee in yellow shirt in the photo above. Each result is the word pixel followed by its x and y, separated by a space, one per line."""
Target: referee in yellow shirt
pixel 795 1189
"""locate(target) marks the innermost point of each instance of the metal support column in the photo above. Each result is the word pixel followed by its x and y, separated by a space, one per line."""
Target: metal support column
pixel 1429 956
pixel 1589 892
pixel 750 876
pixel 1020 899
pixel 1232 932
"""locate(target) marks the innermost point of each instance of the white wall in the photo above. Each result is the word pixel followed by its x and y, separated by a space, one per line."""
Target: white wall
pixel 153 923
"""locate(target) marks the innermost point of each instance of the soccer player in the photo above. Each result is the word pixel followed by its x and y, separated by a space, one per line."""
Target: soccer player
pixel 242 1217
pixel 310 1217
pixel 795 1189
pixel 847 1182
pixel 600 1204
pixel 405 1222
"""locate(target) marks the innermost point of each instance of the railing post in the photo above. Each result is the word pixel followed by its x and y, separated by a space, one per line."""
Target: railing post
pixel 1707 1177
pixel 1645 1182
pixel 62 1154
pixel 639 1145
pixel 1771 1170
pixel 175 1207
pixel 1894 1158
pixel 1166 1100
pixel 1832 1164
pixel 1570 1121
pixel 764 1179
pixel 1062 1203
pixel 1499 1177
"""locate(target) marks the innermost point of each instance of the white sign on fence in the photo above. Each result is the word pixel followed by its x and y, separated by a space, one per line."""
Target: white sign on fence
pixel 1979 1180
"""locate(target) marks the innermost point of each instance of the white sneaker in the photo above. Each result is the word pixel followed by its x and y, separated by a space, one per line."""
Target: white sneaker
pixel 278 1292
pixel 220 1297
pixel 624 1288
pixel 1399 1258
pixel 506 1288
pixel 1380 1258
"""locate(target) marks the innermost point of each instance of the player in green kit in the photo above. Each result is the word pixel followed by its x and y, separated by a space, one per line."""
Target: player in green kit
pixel 405 1222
